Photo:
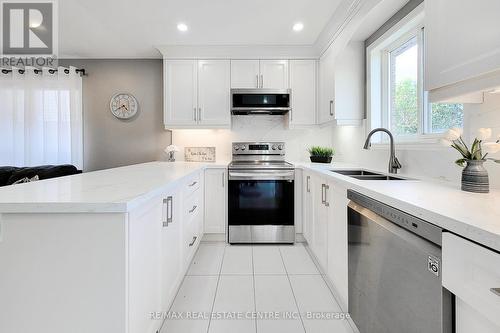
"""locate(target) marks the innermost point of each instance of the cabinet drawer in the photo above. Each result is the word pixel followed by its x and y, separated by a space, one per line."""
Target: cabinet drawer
pixel 192 206
pixel 472 273
pixel 192 184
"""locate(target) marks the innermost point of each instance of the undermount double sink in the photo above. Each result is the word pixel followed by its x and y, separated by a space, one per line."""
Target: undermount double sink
pixel 367 175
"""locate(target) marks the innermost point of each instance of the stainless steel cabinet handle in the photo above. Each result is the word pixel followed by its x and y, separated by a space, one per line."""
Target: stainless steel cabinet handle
pixel 308 186
pixel 223 179
pixel 193 209
pixel 199 114
pixel 194 109
pixel 327 187
pixel 261 81
pixel 193 241
pixel 323 193
pixel 495 291
pixel 167 204
pixel 193 184
pixel 331 108
pixel 258 83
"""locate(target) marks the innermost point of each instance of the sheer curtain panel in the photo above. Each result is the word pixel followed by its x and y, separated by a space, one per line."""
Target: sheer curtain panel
pixel 41 118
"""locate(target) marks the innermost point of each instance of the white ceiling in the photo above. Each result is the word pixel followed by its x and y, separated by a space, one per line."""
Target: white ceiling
pixel 132 28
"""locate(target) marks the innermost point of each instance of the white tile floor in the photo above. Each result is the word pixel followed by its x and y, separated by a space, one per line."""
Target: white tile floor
pixel 251 282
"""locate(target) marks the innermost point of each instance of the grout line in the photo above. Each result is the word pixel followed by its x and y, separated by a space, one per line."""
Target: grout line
pixel 216 288
pixel 254 293
pixel 293 293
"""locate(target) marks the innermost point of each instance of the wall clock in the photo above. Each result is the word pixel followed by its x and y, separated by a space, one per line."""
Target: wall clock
pixel 123 106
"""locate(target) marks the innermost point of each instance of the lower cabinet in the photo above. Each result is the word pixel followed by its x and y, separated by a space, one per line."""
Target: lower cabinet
pixel 215 201
pixel 325 228
pixel 472 273
pixel 164 234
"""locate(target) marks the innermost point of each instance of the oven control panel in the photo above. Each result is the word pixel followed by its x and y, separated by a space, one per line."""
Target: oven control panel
pixel 258 148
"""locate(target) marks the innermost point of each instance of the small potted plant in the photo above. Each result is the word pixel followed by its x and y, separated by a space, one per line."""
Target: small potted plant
pixel 321 154
pixel 474 175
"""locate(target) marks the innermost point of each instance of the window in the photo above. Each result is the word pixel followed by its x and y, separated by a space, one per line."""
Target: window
pixel 41 118
pixel 396 99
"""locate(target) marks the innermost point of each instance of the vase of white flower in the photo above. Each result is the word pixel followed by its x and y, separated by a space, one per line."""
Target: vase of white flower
pixel 474 175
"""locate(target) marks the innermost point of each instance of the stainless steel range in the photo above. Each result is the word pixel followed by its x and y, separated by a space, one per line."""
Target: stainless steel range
pixel 261 194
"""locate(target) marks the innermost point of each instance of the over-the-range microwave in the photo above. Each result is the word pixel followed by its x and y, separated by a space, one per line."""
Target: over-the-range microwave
pixel 260 101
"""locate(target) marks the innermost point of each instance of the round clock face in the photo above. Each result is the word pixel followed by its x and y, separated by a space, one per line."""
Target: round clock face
pixel 123 106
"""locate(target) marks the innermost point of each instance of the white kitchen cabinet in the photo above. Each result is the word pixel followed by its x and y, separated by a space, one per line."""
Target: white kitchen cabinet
pixel 245 74
pixel 472 273
pixel 181 100
pixel 214 92
pixel 303 85
pixel 172 271
pixel 215 201
pixel 307 206
pixel 337 241
pixel 259 74
pixel 318 232
pixel 463 46
pixel 326 105
pixel 349 85
pixel 274 74
pixel 192 217
pixel 197 94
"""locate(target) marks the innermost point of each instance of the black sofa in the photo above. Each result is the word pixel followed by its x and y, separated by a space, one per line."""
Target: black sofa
pixel 10 175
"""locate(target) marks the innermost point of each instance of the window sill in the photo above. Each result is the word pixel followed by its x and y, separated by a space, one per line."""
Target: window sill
pixel 430 143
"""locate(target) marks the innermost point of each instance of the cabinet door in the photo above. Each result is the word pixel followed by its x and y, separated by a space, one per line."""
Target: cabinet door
pixel 171 254
pixel 213 93
pixel 320 221
pixel 326 107
pixel 303 85
pixel 464 46
pixel 180 92
pixel 307 208
pixel 245 74
pixel 215 201
pixel 274 74
pixel 144 265
pixel 337 240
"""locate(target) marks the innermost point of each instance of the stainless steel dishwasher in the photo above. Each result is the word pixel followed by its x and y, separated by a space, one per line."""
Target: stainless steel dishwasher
pixel 395 271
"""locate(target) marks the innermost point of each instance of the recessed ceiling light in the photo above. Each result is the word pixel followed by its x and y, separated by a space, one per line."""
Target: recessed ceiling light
pixel 182 27
pixel 298 26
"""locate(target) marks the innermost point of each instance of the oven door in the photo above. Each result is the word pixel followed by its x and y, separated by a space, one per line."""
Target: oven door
pixel 261 206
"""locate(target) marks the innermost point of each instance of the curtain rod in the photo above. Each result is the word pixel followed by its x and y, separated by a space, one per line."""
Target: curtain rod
pixel 51 71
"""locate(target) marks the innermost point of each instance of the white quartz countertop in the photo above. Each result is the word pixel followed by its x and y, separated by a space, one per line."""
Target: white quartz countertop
pixel 111 190
pixel 471 215
pixel 118 190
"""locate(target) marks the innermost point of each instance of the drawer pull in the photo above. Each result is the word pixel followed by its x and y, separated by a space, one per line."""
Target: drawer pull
pixel 495 291
pixel 193 241
pixel 193 209
pixel 167 204
pixel 193 184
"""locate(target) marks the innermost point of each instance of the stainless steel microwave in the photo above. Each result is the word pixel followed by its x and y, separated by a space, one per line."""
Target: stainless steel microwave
pixel 260 101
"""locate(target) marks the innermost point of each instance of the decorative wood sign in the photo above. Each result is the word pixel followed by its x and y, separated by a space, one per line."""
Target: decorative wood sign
pixel 199 154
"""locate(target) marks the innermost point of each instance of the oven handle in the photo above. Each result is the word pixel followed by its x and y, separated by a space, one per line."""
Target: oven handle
pixel 262 175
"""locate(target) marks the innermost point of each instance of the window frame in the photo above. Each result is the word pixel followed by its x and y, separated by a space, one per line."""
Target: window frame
pixel 378 69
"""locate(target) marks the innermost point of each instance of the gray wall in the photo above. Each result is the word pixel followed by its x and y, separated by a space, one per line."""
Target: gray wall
pixel 108 141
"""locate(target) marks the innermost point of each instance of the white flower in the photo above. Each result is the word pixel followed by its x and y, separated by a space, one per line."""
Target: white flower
pixel 484 133
pixel 490 147
pixel 452 134
pixel 171 148
pixel 446 142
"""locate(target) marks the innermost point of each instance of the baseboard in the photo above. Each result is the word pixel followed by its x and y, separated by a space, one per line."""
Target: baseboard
pixel 214 238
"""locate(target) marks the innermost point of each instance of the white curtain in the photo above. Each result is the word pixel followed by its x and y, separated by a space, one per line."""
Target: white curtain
pixel 41 118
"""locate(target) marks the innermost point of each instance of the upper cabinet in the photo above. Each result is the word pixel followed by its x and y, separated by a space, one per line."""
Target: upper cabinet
pixel 303 85
pixel 462 45
pixel 197 94
pixel 214 92
pixel 245 74
pixel 259 74
pixel 326 105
